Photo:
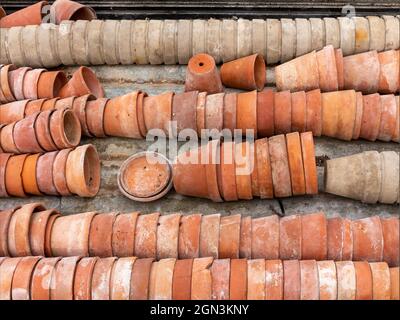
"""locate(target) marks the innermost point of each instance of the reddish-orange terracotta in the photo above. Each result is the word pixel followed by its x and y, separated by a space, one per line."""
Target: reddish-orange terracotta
pixel 50 84
pixel 283 112
pixel 44 173
pixel 120 283
pixel 181 285
pixel 37 231
pixel 31 15
pixel 226 172
pixel 95 116
pixel 59 172
pixel 62 281
pixel 201 112
pixel 295 163
pixel 29 175
pixel 7 269
pixel 389 76
pixel 21 281
pixel 158 111
pixel 201 287
pixel 13 111
pixel 83 279
pixel 327 69
pixel 244 166
pixel 5 83
pixel 141 279
pixel 16 79
pixel 14 185
pixel 100 236
pixel 47 239
pixel 238 280
pixel 291 280
pixel 314 241
pixel 7 139
pixel 395 283
pixel 42 129
pixel 265 238
pixel 388 117
pixel 380 281
pixel 168 236
pixel 189 236
pixel 184 106
pixel 264 169
pixel 265 113
pixel 71 10
pixel 214 112
pixel 41 278
pixel 163 280
pixel 363 280
pixel 359 114
pixel 146 235
pixel 230 111
pixel 309 285
pixel 220 272
pixel 339 68
pixel 209 235
pixel 299 111
pixel 65 128
pixel 314 112
pixel 5 217
pixel 213 155
pixel 140 114
pixel 79 108
pixel 101 279
pixel 30 87
pixel 309 162
pixel 368 239
pixel 290 237
pixel 49 104
pixel 229 235
pixel 34 106
pixel 327 280
pixel 4 157
pixel 123 237
pixel 346 279
pixel 391 239
pixel 246 112
pixel 245 237
pixel 273 280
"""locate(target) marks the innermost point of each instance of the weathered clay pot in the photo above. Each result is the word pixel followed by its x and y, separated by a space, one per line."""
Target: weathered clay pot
pixel 273 280
pixel 16 79
pixel 44 173
pixel 146 235
pixel 50 84
pixel 226 171
pixel 21 284
pixel 95 117
pixel 390 230
pixel 5 83
pixel 101 279
pixel 298 74
pixel 396 134
pixel 238 279
pixel 339 68
pixel 229 237
pixel 168 236
pixel 184 110
pixel 100 237
pixel 4 157
pixel 83 278
pixel 290 237
pixel 59 172
pixel 388 117
pixel 47 239
pixel 31 15
pixel 201 112
pixel 299 111
pixel 279 166
pixel 65 128
pixel 244 166
pixel 25 136
pixel 161 289
pixel 295 163
pixel 70 235
pixel 265 238
pixel 34 106
pixel 340 239
pixel 18 230
pixel 189 236
pixel 246 112
pixel 291 280
pixel 367 239
pixel 389 77
pixel 265 113
pixel 214 112
pixel 79 108
pixel 7 269
pixel 361 72
pixel 84 81
pixel 70 10
pixel 120 116
pixel 181 285
pixel 140 279
pixel 314 112
pixel 120 283
pixel 49 104
pixel 390 177
pixel 13 111
pixel 213 155
pixel 42 130
pixel 41 278
pixel 123 237
pixel 209 236
pixel 5 218
pixel 346 279
pixel 29 175
pixel 230 111
pixel 37 231
pixel 251 70
pixel 328 74
pixel 62 281
pixel 201 279
pixel 371 117
pixel 65 103
pixel 372 177
pixel 245 243
pixel 327 280
pixel 202 75
pixel 158 111
pixel 380 281
pixel 13 175
pixel 140 113
pixel 309 280
pixel 359 114
pixel 314 236
pixel 83 171
pixel 309 162
pixel 282 112
pixel 363 280
pixel 394 281
pixel 31 83
pixel 7 139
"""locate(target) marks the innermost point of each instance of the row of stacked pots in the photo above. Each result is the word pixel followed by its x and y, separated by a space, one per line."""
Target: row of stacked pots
pixel 35 14
pixel 25 83
pixel 130 278
pixel 176 41
pixel 369 176
pixel 328 70
pixel 61 173
pixel 280 166
pixel 33 230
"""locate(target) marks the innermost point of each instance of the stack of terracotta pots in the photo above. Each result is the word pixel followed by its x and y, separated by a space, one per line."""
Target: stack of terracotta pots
pixel 60 173
pixel 36 14
pixel 369 176
pixel 150 41
pixel 130 278
pixel 280 166
pixel 326 69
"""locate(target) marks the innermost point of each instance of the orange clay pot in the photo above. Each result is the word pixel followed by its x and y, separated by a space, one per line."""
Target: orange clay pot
pixel 263 169
pixel 7 139
pixel 309 162
pixel 44 173
pixel 50 84
pixel 327 69
pixel 265 238
pixel 314 112
pixel 314 239
pixel 230 112
pixel 388 117
pixel 146 235
pixel 16 79
pixel 184 106
pixel 42 130
pixel 31 83
pixel 226 171
pixel 265 113
pixel 79 108
pixel 229 237
pixel 371 117
pixel 8 96
pixel 246 112
pixel 244 166
pixel 37 231
pixel 158 111
pixel 209 235
pixel 34 106
pixel 299 111
pixel 14 185
pixel 95 117
pixel 13 111
pixel 339 68
pixel 31 15
pixel 189 236
pixel 295 163
pixel 389 77
pixel 25 136
pixel 290 237
pixel 70 10
pixel 4 157
pixel 65 129
pixel 282 112
pixel 29 175
pixel 247 73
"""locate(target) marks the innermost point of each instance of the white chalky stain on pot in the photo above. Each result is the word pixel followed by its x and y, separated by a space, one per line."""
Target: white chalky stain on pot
pixel 327 281
pixel 123 280
pixel 20 294
pixel 272 278
pixel 46 273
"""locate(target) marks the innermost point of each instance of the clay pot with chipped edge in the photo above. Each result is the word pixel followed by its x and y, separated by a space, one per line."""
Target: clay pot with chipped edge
pixel 146 235
pixel 265 113
pixel 265 238
pixel 37 231
pixel 31 15
pixel 295 163
pixel 120 116
pixel 70 235
pixel 244 166
pixel 13 111
pixel 101 279
pixel 16 80
pixel 273 280
pixel 229 237
pixel 41 278
pixel 309 162
pixel 42 130
pixel 202 74
pixel 157 111
pixel 314 239
pixel 62 281
pixel 59 172
pixel 4 157
pixel 5 83
pixel 79 108
pixel 290 238
pixel 251 70
pixel 84 81
pixel 18 230
pixel 184 106
pixel 100 235
pixel 189 236
pixel 123 237
pixel 95 117
pixel 21 282
pixel 140 279
pixel 83 278
pixel 142 179
pixel 201 286
pixel 50 84
pixel 226 171
pixel 14 184
pixel 291 280
pixel 70 10
pixel 246 112
pixel 83 171
pixel 65 129
pixel 209 236
pixel 182 277
pixel 24 135
pixel 5 218
pixel 44 173
pixel 31 80
pixel 327 280
pixel 168 236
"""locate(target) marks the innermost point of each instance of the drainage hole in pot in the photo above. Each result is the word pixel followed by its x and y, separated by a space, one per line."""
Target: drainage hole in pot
pixel 201 64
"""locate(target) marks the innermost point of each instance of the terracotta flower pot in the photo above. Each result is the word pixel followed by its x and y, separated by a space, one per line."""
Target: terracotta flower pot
pixel 34 106
pixel 340 239
pixel 201 112
pixel 380 281
pixel 390 230
pixel 245 238
pixel 140 114
pixel 327 69
pixel 213 156
pixel 230 111
pixel 70 10
pixel 314 112
pixel 238 279
pixel 229 237
pixel 162 289
pixel 31 15
pixel 168 236
pixel 21 284
pixel 361 72
pixel 363 280
pixel 371 117
pixel 314 236
pixel 140 279
pixel 372 177
pixel 84 81
pixel 226 171
pixel 65 129
pixel 346 279
pixel 5 218
pixel 214 112
pixel 42 130
pixel 120 116
pixel 309 162
pixel 201 279
pixel 291 280
pixel 265 113
pixel 396 134
pixel 299 111
pixel 31 80
pixel 59 172
pixel 16 79
pixel 220 272
pixel 101 279
pixel 327 280
pixel 298 74
pixel 290 237
pixel 340 68
pixel 62 282
pixel 181 285
pixel 47 239
pixel 70 235
pixel 251 69
pixel 295 163
pixel 368 239
pixel 13 111
pixel 37 231
pixel 202 75
pixel 209 236
pixel 309 280
pixel 18 230
pixel 158 111
pixel 389 77
pixel 273 280
pixel 44 173
pixel 145 176
pixel 83 278
pixel 123 237
pixel 244 166
pixel 282 112
pixel 7 269
pixel 83 171
pixel 5 83
pixel 146 235
pixel 4 157
pixel 359 114
pixel 246 112
pixel 65 103
pixel 50 84
pixel 14 169
pixel 279 166
pixel 395 280
pixel 29 175
pixel 390 177
pixel 41 278
pixel 49 104
pixel 95 117
pixel 100 237
pixel 7 139
pixel 189 236
pixel 388 117
pixel 25 136
pixel 184 110
pixel 265 238
pixel 79 108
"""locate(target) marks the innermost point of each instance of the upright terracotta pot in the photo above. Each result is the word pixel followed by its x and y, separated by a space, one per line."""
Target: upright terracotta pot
pixel 202 75
pixel 70 10
pixel 65 129
pixel 50 84
pixel 70 235
pixel 247 73
pixel 83 171
pixel 21 284
pixel 31 15
pixel 84 81
pixel 14 169
pixel 158 111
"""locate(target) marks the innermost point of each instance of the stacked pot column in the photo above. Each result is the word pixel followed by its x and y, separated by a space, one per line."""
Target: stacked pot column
pixel 124 41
